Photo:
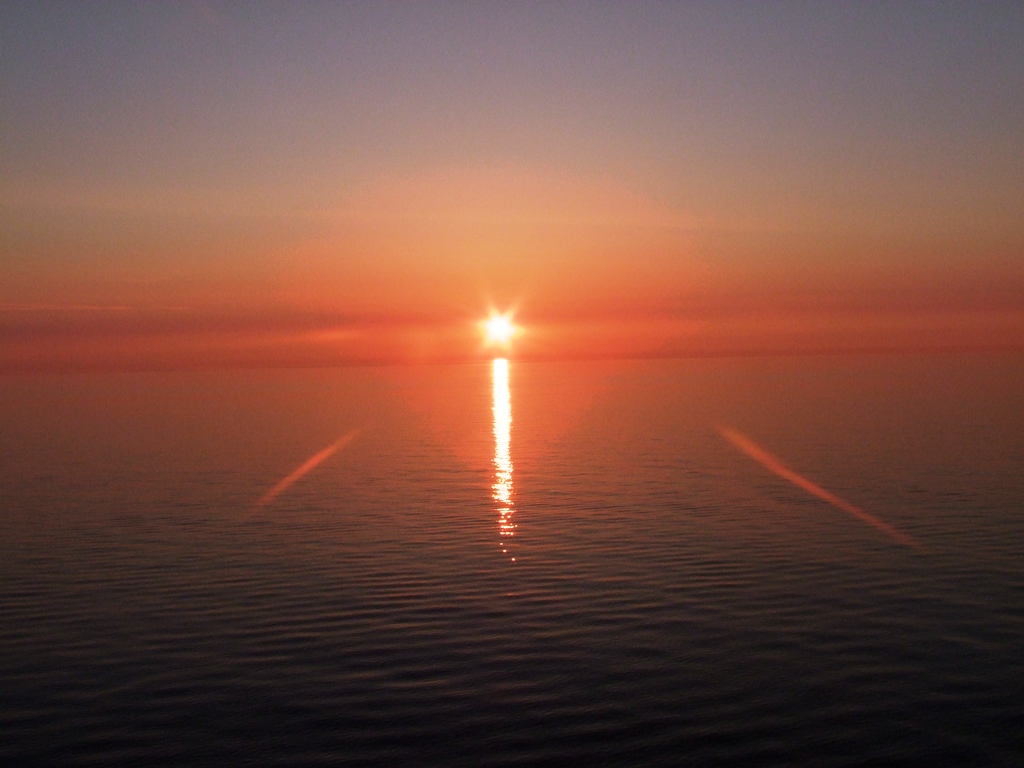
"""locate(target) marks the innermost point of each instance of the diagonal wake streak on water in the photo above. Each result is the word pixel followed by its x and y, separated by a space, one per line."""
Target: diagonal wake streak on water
pixel 304 468
pixel 775 466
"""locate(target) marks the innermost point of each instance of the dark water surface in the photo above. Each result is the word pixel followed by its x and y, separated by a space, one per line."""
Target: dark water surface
pixel 670 600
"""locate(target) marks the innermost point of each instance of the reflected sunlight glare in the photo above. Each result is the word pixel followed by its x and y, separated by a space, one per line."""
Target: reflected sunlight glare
pixel 502 488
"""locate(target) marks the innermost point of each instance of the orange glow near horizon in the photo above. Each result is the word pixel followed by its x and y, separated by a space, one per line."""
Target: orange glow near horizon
pixel 605 270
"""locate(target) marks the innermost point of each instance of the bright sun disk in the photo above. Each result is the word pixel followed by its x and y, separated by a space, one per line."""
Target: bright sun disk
pixel 499 329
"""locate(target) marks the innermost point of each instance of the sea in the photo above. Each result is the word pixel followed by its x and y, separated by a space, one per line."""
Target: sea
pixel 788 561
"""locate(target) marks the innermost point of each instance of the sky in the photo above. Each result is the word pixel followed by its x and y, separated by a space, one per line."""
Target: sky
pixel 212 183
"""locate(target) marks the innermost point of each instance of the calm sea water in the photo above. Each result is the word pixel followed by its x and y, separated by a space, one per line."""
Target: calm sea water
pixel 531 563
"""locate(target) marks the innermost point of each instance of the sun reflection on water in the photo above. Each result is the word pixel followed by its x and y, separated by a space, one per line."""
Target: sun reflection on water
pixel 501 491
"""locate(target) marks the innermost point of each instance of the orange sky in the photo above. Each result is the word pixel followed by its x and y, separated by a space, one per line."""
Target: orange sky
pixel 339 185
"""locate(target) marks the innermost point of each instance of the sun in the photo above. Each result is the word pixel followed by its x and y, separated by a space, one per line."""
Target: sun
pixel 499 329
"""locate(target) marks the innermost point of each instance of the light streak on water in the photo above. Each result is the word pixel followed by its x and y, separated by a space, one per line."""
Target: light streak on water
pixel 775 466
pixel 304 468
pixel 501 490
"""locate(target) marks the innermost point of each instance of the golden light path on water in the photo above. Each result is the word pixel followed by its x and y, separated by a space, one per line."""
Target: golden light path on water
pixel 501 491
